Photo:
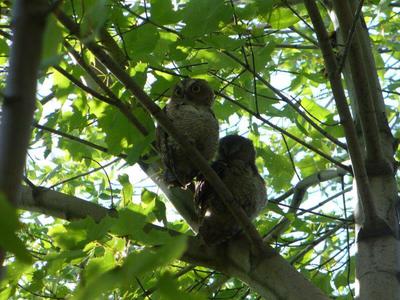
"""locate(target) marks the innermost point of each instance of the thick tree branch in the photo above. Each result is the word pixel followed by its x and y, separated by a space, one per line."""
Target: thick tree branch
pixel 350 36
pixel 367 112
pixel 270 275
pixel 371 219
pixel 59 205
pixel 112 47
pixel 299 191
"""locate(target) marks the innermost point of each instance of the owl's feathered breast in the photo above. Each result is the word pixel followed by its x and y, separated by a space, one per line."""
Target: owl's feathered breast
pixel 198 124
pixel 248 189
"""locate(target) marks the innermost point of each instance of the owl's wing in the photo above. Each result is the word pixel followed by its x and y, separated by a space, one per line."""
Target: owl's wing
pixel 204 192
pixel 167 153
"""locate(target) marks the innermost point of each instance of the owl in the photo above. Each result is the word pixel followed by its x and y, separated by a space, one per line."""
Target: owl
pixel 190 111
pixel 235 165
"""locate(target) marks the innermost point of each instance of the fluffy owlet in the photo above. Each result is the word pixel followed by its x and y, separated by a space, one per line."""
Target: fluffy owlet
pixel 236 167
pixel 190 111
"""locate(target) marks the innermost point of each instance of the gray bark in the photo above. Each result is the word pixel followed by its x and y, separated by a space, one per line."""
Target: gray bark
pixel 377 256
pixel 29 19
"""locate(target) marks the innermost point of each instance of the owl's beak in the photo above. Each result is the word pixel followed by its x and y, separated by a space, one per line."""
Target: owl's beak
pixel 231 150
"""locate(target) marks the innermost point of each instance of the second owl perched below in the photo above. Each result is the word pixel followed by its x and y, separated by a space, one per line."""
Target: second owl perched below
pixel 236 167
pixel 190 111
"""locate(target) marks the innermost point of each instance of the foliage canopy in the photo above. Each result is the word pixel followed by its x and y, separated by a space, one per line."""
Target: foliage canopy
pixel 263 61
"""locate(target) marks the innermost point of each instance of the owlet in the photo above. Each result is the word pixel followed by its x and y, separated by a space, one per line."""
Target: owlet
pixel 236 167
pixel 190 111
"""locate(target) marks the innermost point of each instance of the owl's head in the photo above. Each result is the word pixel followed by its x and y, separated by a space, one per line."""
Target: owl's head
pixel 193 90
pixel 235 147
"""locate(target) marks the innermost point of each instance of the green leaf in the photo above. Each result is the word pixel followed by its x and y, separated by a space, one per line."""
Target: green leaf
pixel 148 196
pixel 279 167
pixel 323 282
pixel 223 110
pixel 215 59
pixel 77 234
pixel 52 40
pixel 160 210
pixel 77 150
pixel 137 263
pixel 4 50
pixel 127 189
pixel 98 265
pixel 198 23
pixel 264 6
pixel 263 56
pixel 317 111
pixel 8 226
pixel 281 18
pixel 162 12
pixel 120 133
pixel 139 148
pixel 142 40
pixel 96 14
pixel 224 42
pixel 169 290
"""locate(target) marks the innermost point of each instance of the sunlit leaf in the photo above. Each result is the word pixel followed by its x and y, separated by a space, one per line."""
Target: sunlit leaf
pixel 9 224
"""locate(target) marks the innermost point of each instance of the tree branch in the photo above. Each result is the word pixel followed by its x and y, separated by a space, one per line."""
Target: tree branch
pixel 124 108
pixel 285 99
pixel 299 191
pixel 20 93
pixel 29 21
pixel 288 134
pixel 190 151
pixel 355 151
pixel 270 275
pixel 181 199
pixel 367 112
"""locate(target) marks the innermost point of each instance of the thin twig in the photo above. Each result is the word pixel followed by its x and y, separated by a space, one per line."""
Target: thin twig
pixel 288 134
pixel 83 174
pixel 285 99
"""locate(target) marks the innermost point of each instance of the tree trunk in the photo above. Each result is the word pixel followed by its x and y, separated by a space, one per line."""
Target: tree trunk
pixel 377 252
pixel 29 20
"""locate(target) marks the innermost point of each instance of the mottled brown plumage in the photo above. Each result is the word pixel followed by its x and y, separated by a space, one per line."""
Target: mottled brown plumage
pixel 236 167
pixel 190 111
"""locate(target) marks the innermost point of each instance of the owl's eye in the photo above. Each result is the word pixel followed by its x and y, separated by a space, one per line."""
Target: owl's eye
pixel 178 91
pixel 195 88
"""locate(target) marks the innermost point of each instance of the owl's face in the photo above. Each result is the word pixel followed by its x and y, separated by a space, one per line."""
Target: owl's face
pixel 196 91
pixel 235 147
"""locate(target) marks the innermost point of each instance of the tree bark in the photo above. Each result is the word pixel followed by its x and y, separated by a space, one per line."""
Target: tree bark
pixel 29 20
pixel 378 249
